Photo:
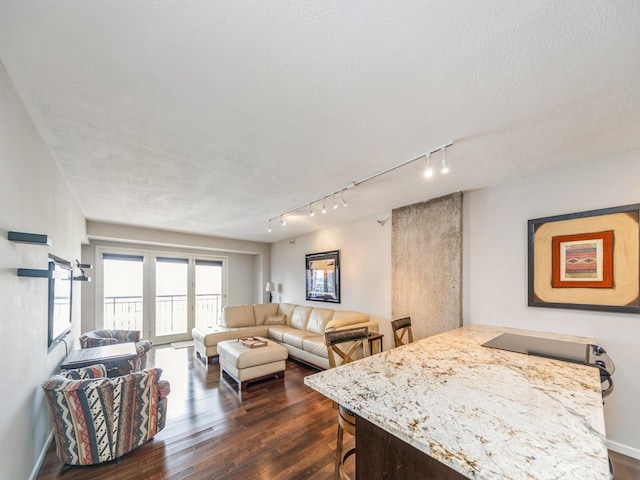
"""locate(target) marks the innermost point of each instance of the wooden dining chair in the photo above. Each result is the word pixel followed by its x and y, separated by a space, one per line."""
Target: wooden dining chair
pixel 401 328
pixel 345 345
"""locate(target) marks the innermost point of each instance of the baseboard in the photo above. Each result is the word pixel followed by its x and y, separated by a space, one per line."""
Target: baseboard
pixel 623 449
pixel 43 453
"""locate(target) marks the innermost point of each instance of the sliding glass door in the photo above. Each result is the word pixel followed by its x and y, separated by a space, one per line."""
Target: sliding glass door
pixel 123 281
pixel 171 319
pixel 208 292
pixel 162 295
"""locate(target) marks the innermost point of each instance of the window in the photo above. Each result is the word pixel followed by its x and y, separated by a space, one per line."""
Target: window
pixel 164 295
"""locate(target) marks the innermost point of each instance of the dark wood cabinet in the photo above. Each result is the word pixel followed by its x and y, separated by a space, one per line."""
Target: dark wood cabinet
pixel 380 455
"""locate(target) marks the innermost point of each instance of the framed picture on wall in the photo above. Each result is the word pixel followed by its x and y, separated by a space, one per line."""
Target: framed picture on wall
pixel 587 260
pixel 584 260
pixel 323 276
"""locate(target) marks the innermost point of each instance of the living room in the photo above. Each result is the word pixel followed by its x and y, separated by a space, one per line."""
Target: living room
pixel 601 171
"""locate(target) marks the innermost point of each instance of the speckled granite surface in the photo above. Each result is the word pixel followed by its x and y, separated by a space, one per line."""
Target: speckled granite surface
pixel 486 413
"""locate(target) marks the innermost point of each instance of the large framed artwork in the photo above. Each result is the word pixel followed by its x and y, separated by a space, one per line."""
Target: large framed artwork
pixel 323 276
pixel 586 260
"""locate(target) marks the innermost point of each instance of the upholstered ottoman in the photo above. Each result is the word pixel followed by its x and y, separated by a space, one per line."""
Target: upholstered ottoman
pixel 246 365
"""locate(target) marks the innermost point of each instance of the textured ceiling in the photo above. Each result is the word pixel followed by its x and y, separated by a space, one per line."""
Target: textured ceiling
pixel 211 117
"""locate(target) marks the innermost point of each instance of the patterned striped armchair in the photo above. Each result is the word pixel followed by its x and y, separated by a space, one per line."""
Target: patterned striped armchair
pixel 97 419
pixel 100 338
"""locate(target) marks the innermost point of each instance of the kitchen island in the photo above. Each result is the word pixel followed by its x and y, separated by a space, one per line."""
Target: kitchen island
pixel 470 411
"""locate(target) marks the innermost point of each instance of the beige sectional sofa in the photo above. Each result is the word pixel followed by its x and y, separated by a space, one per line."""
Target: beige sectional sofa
pixel 301 329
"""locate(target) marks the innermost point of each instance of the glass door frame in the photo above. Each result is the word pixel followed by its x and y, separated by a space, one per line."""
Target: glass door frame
pixel 178 337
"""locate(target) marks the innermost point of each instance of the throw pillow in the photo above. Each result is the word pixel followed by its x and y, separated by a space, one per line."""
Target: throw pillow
pixel 274 320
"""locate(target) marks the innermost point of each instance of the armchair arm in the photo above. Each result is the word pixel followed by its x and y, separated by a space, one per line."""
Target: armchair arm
pixel 124 336
pixel 140 362
pixel 88 341
pixel 164 389
pixel 143 346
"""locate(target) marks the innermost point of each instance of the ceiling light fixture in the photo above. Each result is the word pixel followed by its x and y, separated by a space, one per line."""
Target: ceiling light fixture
pixel 269 226
pixel 445 167
pixel 428 172
pixel 309 205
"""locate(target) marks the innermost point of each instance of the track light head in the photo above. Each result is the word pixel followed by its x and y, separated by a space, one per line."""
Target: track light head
pixel 269 226
pixel 333 200
pixel 311 212
pixel 324 207
pixel 428 172
pixel 282 220
pixel 445 167
pixel 344 204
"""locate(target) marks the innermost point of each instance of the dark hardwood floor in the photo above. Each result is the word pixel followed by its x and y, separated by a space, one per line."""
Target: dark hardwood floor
pixel 274 430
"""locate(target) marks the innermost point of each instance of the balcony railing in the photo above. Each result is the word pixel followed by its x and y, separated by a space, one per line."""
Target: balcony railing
pixel 125 312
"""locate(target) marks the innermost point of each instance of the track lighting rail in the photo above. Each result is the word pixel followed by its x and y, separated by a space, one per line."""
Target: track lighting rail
pixel 309 205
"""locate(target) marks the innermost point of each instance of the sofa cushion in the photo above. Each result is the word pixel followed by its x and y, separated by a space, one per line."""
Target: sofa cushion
pixel 238 316
pixel 295 337
pixel 210 337
pixel 286 309
pixel 277 331
pixel 318 319
pixel 275 320
pixel 261 311
pixel 300 317
pixel 315 344
pixel 343 318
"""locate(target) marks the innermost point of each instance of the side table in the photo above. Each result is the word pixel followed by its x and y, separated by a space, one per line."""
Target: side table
pixel 116 358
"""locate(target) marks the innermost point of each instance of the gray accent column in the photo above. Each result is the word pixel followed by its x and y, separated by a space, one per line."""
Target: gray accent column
pixel 426 262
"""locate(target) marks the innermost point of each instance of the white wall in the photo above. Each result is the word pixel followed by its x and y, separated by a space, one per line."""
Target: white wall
pixel 365 264
pixel 495 271
pixel 33 198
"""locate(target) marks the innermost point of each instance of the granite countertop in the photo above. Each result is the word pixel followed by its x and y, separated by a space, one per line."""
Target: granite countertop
pixel 486 413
